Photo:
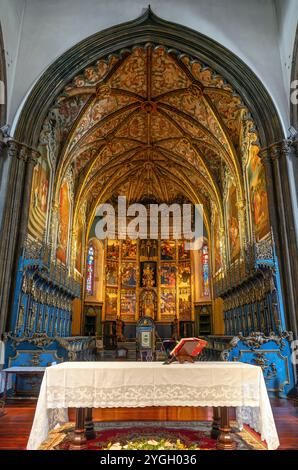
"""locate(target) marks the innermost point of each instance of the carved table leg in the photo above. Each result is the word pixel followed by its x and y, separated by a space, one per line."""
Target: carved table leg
pixel 216 422
pixel 89 425
pixel 79 441
pixel 224 440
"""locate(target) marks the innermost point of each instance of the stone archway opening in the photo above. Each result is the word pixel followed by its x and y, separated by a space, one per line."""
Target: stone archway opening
pixel 191 126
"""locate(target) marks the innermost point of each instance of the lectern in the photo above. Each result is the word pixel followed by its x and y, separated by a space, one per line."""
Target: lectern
pixel 186 350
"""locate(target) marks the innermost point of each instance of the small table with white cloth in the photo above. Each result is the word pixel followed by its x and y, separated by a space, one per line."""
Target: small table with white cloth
pixel 88 385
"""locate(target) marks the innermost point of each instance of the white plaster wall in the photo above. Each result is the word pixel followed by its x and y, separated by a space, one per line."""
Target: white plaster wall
pixel 50 27
pixel 11 18
pixel 287 18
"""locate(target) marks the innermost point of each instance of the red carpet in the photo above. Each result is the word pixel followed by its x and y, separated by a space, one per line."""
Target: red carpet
pixel 142 436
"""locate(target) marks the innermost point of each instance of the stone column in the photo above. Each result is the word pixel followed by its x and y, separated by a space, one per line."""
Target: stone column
pixel 274 159
pixel 2 142
pixel 4 170
pixel 16 197
pixel 32 160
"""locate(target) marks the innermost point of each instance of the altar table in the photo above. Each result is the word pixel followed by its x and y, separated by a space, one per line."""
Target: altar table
pixel 139 384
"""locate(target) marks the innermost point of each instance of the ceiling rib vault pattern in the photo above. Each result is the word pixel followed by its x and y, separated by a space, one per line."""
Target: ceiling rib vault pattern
pixel 153 124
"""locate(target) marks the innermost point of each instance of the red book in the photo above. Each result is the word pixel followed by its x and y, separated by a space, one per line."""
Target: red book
pixel 189 346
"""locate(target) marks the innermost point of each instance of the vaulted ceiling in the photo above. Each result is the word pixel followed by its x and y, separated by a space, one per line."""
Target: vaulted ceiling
pixel 150 123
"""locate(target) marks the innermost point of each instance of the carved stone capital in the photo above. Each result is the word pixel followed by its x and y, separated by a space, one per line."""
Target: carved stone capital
pixel 278 150
pixel 2 142
pixel 4 137
pixel 13 148
pixel 21 151
pixel 33 156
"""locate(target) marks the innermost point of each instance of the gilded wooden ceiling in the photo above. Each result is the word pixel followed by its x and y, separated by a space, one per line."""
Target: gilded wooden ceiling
pixel 150 123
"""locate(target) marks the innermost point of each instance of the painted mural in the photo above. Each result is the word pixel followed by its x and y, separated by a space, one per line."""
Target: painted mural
pixel 168 302
pixel 168 276
pixel 184 275
pixel 129 249
pixel 216 243
pixel 113 249
pixel 129 275
pixel 111 303
pixel 111 274
pixel 182 252
pixel 39 198
pixel 63 228
pixel 128 303
pixel 185 304
pixel 168 250
pixel 258 195
pixel 78 252
pixel 233 223
pixel 78 244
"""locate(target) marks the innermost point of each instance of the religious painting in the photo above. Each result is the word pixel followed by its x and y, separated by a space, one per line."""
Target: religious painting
pixel 129 275
pixel 63 229
pixel 113 249
pixel 129 249
pixel 258 196
pixel 39 198
pixel 168 276
pixel 182 252
pixel 168 302
pixel 78 250
pixel 168 250
pixel 111 303
pixel 78 244
pixel 148 249
pixel 216 243
pixel 148 274
pixel 112 274
pixel 184 275
pixel 128 303
pixel 233 223
pixel 185 304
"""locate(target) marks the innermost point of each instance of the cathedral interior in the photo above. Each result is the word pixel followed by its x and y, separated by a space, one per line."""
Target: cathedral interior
pixel 159 114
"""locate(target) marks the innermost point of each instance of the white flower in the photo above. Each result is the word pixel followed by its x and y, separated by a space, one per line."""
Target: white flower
pixel 116 446
pixel 152 442
pixel 168 444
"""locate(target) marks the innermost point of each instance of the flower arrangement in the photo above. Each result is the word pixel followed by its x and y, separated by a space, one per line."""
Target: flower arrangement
pixel 151 444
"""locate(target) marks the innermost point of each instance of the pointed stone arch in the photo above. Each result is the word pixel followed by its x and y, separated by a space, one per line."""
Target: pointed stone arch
pixel 148 28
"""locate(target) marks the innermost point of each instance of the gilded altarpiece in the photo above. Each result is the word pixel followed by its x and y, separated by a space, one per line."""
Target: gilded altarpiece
pixel 151 278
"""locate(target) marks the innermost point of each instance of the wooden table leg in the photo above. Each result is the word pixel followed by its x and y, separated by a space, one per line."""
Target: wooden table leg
pixel 216 422
pixel 224 440
pixel 5 387
pixel 89 425
pixel 79 441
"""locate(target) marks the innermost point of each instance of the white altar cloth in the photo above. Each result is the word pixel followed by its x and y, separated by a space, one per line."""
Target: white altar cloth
pixel 140 384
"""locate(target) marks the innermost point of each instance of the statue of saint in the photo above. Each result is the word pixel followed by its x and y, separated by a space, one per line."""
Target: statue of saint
pixel 148 277
pixel 149 305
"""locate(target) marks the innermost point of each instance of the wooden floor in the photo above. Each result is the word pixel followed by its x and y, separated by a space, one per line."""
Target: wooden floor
pixel 15 425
